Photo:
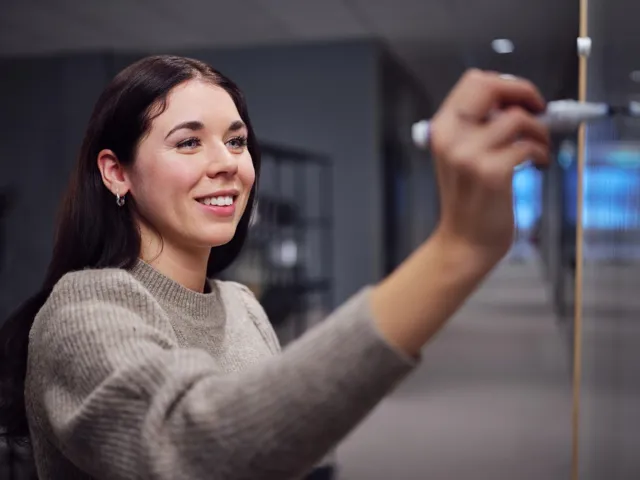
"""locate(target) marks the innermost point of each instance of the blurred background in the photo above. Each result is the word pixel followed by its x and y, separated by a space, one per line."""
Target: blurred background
pixel 333 88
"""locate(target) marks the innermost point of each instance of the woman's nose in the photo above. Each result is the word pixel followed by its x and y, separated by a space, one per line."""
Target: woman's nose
pixel 222 162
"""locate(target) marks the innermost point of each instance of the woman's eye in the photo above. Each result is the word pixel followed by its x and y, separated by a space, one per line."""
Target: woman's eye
pixel 189 143
pixel 238 143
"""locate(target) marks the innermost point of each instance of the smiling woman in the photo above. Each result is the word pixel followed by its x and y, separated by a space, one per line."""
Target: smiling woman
pixel 167 136
pixel 133 361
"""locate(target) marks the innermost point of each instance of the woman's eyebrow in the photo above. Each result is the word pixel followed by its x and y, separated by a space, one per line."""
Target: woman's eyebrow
pixel 237 125
pixel 194 125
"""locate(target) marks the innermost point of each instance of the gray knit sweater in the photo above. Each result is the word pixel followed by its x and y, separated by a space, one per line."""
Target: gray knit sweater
pixel 133 376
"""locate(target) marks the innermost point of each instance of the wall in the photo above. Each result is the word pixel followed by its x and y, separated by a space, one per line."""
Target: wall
pixel 45 105
pixel 411 193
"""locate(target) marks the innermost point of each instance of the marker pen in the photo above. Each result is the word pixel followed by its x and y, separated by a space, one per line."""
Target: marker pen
pixel 561 116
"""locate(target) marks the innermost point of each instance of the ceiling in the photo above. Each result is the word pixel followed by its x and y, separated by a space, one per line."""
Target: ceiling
pixel 435 39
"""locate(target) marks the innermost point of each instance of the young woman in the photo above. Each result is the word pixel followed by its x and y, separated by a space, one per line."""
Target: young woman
pixel 130 363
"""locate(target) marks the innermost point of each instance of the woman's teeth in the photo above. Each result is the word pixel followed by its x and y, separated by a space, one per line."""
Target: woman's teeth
pixel 217 201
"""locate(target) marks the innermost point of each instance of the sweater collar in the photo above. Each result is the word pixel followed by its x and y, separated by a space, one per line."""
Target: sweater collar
pixel 191 303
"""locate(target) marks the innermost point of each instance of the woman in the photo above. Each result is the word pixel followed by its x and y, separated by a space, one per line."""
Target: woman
pixel 129 363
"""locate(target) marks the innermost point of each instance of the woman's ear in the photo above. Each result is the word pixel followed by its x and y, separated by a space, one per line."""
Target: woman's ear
pixel 113 174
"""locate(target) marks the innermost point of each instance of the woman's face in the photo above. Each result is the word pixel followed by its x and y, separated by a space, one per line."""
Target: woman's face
pixel 193 173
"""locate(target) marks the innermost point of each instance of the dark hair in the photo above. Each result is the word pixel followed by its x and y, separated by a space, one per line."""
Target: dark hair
pixel 92 231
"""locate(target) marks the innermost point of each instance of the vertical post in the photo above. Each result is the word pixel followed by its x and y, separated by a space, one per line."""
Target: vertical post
pixel 577 339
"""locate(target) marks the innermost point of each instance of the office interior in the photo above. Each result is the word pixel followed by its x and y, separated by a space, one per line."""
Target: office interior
pixel 536 377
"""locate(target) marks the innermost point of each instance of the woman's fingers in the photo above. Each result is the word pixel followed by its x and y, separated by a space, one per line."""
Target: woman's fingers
pixel 520 152
pixel 478 93
pixel 511 125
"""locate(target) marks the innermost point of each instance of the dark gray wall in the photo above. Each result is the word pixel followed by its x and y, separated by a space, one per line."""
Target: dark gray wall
pixel 412 193
pixel 45 106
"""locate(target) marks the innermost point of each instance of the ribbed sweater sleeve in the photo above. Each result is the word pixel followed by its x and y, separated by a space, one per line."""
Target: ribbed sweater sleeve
pixel 116 395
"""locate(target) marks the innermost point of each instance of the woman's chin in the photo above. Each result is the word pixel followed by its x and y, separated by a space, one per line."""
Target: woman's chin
pixel 219 239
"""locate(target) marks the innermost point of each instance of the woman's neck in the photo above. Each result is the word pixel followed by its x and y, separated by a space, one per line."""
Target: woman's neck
pixel 188 268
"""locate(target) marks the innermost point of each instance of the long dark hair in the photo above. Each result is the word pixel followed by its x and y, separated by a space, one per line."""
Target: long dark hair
pixel 92 231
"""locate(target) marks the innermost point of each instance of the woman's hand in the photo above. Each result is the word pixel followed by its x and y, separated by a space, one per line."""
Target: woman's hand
pixel 483 130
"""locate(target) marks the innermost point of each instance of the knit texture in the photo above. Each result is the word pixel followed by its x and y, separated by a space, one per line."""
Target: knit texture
pixel 133 376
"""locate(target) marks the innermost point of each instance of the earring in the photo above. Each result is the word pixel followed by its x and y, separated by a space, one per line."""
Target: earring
pixel 119 200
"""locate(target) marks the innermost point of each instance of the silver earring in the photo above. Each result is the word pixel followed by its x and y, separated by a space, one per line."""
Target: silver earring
pixel 119 200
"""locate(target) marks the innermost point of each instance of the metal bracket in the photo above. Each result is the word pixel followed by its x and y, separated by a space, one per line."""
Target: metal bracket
pixel 584 46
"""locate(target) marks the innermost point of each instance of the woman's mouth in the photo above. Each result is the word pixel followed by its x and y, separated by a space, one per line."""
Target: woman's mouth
pixel 221 205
